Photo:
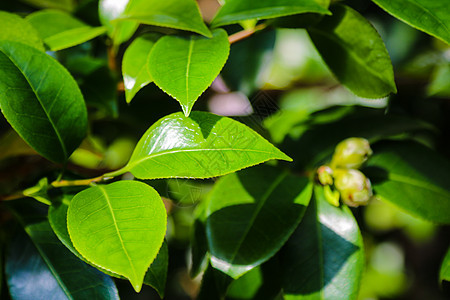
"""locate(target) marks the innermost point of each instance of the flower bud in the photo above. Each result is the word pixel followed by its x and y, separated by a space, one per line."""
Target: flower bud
pixel 325 175
pixel 351 153
pixel 355 188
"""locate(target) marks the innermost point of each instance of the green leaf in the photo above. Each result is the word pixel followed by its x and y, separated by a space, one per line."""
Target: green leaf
pixel 262 282
pixel 156 274
pixel 251 214
pixel 444 274
pixel 59 30
pixel 67 5
pixel 440 81
pixel 135 64
pixel 355 53
pixel 47 260
pixel 184 67
pixel 119 227
pixel 201 146
pixel 111 10
pixel 214 284
pixel 324 258
pixel 430 16
pixel 41 101
pixel 178 14
pixel 16 29
pixel 235 11
pixel 412 177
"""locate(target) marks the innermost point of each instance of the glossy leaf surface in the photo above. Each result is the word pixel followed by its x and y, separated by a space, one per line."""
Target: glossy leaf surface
pixel 111 10
pixel 178 14
pixel 41 101
pixel 62 273
pixel 135 65
pixel 16 29
pixel 412 177
pixel 184 67
pixel 156 274
pixel 235 11
pixel 430 16
pixel 201 146
pixel 60 30
pixel 119 227
pixel 361 64
pixel 251 214
pixel 324 258
pixel 444 274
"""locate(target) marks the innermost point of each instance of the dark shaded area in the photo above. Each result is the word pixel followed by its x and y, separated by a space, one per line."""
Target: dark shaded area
pixel 313 255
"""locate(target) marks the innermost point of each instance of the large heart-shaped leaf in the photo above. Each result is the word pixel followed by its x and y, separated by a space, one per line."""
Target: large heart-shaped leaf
pixel 235 11
pixel 60 30
pixel 157 273
pixel 324 258
pixel 430 16
pixel 201 146
pixel 178 14
pixel 412 177
pixel 41 101
pixel 184 67
pixel 43 259
pixel 251 214
pixel 119 227
pixel 355 53
pixel 14 28
pixel 135 67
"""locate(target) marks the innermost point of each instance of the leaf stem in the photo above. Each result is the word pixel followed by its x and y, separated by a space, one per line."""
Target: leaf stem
pixel 238 36
pixel 16 196
pixel 81 182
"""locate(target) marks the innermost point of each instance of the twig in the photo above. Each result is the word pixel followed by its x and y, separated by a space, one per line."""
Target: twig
pixel 81 182
pixel 238 36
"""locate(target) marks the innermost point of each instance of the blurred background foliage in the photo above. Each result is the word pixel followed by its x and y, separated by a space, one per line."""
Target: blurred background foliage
pixel 276 82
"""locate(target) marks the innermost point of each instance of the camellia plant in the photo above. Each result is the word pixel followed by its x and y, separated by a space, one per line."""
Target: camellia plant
pixel 107 179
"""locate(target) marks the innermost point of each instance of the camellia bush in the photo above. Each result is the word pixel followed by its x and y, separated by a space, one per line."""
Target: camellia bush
pixel 258 149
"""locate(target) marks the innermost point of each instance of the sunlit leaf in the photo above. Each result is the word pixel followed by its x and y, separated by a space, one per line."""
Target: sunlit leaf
pixel 430 16
pixel 119 227
pixel 235 11
pixel 178 14
pixel 135 65
pixel 201 146
pixel 184 67
pixel 156 273
pixel 16 29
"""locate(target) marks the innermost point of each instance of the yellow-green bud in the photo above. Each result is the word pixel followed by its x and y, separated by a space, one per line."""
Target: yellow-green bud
pixel 351 153
pixel 355 188
pixel 325 175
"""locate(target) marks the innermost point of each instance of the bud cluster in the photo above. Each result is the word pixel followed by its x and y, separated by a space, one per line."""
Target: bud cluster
pixel 351 184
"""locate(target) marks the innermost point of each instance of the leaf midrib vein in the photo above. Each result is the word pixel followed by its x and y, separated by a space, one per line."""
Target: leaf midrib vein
pixel 117 229
pixel 148 157
pixel 63 147
pixel 263 200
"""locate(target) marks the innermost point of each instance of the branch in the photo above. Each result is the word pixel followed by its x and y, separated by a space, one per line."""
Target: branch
pixel 81 182
pixel 238 36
